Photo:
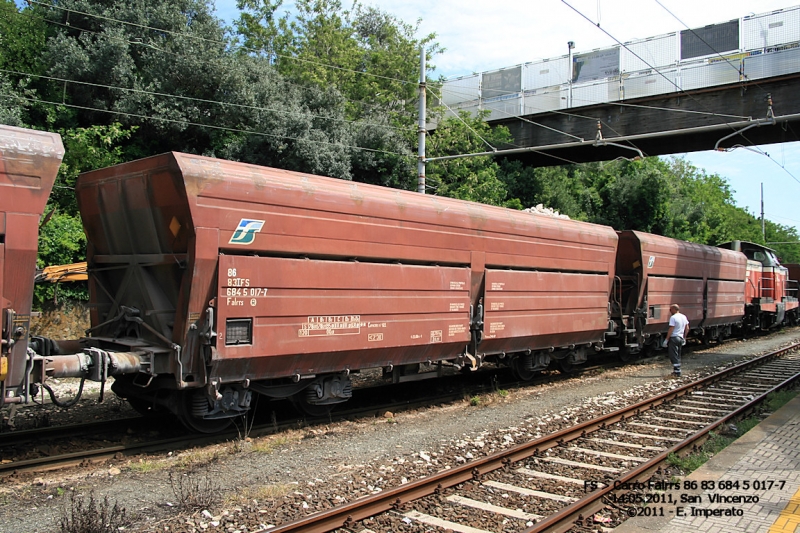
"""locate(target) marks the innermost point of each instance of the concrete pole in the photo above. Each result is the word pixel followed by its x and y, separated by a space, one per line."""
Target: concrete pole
pixel 763 228
pixel 421 131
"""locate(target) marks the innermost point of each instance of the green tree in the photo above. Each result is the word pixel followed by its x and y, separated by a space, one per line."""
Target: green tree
pixel 61 241
pixel 22 40
pixel 85 149
pixel 12 106
pixel 369 55
pixel 468 178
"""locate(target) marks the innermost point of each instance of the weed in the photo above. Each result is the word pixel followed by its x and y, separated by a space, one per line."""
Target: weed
pixel 776 400
pixel 194 491
pixel 193 458
pixel 270 444
pixel 689 463
pixel 716 443
pixel 82 516
pixel 746 425
pixel 503 393
pixel 144 466
pixel 712 446
pixel 475 401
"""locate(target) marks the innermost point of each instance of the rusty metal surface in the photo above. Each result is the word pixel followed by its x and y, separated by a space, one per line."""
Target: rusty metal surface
pixel 541 309
pixel 706 281
pixel 319 313
pixel 725 301
pixel 663 292
pixel 29 162
pixel 158 226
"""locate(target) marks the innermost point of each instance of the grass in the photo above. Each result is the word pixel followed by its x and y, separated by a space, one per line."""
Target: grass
pixel 776 400
pixel 270 444
pixel 716 442
pixel 144 466
pixel 192 458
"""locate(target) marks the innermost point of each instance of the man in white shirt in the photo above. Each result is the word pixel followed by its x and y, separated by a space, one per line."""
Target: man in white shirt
pixel 676 337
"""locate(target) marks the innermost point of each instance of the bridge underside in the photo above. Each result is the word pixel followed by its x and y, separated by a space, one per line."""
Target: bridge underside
pixel 664 124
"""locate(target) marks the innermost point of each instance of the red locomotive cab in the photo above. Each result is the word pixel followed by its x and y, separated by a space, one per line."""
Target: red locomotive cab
pixel 754 283
pixel 770 294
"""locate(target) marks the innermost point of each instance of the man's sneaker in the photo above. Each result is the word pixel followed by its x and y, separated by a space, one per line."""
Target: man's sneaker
pixel 676 374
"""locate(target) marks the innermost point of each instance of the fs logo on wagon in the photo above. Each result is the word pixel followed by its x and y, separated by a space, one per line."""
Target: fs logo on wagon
pixel 246 231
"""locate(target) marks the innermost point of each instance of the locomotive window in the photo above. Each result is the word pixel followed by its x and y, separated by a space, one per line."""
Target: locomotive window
pixel 238 331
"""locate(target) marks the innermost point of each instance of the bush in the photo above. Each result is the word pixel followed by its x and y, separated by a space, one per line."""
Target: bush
pixel 82 516
pixel 194 492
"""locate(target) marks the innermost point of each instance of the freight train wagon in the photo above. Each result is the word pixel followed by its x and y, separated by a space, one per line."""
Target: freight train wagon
pixel 212 280
pixel 226 278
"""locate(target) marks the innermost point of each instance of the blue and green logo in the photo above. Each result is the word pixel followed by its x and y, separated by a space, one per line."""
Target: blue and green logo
pixel 246 231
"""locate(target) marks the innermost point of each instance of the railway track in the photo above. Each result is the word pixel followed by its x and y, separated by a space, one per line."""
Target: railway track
pixel 370 401
pixel 104 440
pixel 554 482
pixel 101 440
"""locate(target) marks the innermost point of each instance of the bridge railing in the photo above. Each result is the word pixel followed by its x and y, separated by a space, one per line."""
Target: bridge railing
pixel 754 47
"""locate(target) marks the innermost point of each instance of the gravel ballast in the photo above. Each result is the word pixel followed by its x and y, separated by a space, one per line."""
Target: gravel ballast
pixel 258 482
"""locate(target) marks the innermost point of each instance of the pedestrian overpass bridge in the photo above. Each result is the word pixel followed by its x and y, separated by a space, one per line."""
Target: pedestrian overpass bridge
pixel 731 84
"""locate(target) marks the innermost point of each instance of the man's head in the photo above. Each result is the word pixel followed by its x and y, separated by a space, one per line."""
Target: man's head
pixel 674 308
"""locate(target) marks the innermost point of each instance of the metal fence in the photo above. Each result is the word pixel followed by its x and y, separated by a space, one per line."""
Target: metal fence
pixel 750 48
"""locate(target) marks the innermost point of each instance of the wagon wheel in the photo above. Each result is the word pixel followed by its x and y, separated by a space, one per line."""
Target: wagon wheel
pixel 302 404
pixel 517 368
pixel 186 400
pixel 143 406
pixel 564 366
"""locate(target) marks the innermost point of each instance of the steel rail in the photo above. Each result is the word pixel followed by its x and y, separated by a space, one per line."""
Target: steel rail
pixel 16 438
pixel 566 518
pixel 98 454
pixel 347 515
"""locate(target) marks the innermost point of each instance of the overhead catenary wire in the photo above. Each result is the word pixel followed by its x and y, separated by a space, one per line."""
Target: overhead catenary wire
pixel 202 100
pixel 727 61
pixel 200 125
pixel 594 120
pixel 458 117
pixel 223 43
pixel 177 54
pixel 623 45
pixel 666 78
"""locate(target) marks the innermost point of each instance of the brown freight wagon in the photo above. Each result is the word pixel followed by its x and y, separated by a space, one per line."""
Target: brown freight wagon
pixel 226 278
pixel 707 282
pixel 29 162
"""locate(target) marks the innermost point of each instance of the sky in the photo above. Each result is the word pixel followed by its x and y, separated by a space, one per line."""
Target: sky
pixel 480 36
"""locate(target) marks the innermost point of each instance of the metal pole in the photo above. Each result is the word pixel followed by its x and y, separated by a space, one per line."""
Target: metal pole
pixel 570 73
pixel 763 230
pixel 421 131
